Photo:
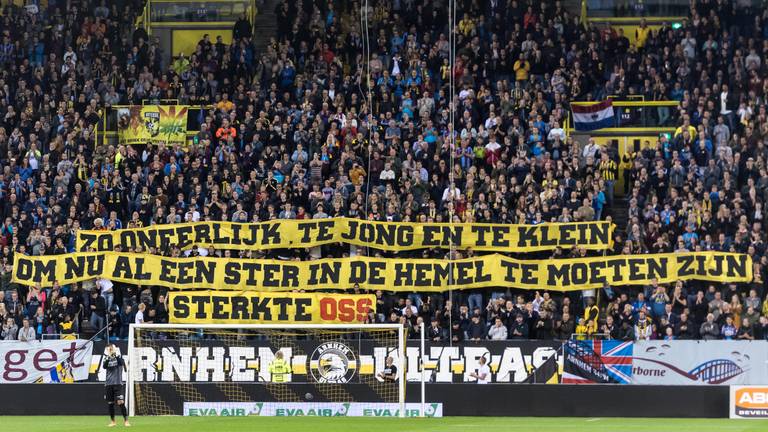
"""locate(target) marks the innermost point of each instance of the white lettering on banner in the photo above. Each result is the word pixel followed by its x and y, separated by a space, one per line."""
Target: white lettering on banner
pixel 653 362
pixel 249 364
pixel 685 362
pixel 209 361
pixel 45 361
pixel 243 363
pixel 309 409
pixel 173 364
pixel 748 402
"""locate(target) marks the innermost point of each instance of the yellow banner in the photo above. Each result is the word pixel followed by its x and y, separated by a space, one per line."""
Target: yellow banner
pixel 389 274
pixel 391 236
pixel 224 307
pixel 152 123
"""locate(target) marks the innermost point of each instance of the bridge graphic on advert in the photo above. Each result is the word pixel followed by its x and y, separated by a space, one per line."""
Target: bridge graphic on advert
pixel 716 371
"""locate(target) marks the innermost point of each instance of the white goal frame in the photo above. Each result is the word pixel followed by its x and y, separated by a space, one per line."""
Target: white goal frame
pixel 130 396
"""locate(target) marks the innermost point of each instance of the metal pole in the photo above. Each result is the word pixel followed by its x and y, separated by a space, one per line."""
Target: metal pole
pixel 401 386
pixel 422 353
pixel 130 397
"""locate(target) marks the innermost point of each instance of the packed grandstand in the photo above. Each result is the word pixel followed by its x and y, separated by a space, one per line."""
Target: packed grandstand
pixel 331 118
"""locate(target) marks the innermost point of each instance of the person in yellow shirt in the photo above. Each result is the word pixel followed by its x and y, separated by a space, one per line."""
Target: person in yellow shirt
pixel 686 126
pixel 445 70
pixel 466 25
pixel 279 368
pixel 521 67
pixel 641 34
pixel 591 314
pixel 356 174
pixel 765 307
pixel 581 330
pixel 225 104
pixel 627 162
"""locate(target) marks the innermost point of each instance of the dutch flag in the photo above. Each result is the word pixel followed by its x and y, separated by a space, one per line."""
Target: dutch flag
pixel 592 117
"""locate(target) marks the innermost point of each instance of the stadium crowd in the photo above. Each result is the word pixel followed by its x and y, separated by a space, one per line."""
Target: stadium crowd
pixel 297 131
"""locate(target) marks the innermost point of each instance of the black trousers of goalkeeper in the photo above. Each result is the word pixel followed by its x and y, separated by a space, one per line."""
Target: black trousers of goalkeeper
pixel 114 394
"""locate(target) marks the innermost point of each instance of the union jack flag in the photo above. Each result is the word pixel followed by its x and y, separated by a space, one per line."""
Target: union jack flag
pixel 597 361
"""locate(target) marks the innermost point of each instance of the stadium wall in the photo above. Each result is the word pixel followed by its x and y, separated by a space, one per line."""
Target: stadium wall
pixel 538 400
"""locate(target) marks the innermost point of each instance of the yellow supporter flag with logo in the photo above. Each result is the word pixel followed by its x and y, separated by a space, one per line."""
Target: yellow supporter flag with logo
pixel 150 124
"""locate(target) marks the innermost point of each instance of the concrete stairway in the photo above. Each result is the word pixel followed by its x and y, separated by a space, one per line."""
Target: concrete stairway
pixel 265 25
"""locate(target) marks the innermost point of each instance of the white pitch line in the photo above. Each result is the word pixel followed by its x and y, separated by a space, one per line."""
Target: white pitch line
pixel 594 419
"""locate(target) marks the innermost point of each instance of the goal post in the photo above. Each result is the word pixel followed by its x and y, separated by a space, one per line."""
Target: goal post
pixel 328 369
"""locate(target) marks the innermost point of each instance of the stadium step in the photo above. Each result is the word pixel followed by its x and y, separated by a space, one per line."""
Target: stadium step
pixel 620 213
pixel 265 25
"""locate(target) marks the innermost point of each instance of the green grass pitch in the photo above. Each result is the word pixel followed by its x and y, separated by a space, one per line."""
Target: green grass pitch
pixel 316 424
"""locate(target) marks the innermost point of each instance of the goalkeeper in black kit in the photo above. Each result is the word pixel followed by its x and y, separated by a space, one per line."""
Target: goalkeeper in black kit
pixel 114 365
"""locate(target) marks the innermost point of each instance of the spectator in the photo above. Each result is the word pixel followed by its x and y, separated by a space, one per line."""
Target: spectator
pixel 9 330
pixel 98 309
pixel 565 327
pixel 476 330
pixel 643 327
pixel 289 120
pixel 497 331
pixel 26 333
pixel 139 318
pixel 709 329
pixel 684 329
pixel 729 330
pixel 745 331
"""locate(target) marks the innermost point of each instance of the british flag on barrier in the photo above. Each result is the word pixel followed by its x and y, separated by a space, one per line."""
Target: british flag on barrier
pixel 597 361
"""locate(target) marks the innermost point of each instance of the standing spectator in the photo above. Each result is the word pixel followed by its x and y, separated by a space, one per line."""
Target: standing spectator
pixel 139 318
pixel 729 330
pixel 497 331
pixel 519 328
pixel 26 333
pixel 98 308
pixel 643 327
pixel 476 330
pixel 9 330
pixel 709 329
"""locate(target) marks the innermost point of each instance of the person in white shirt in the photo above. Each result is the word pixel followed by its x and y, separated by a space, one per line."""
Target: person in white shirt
pixel 387 174
pixel 556 131
pixel 192 215
pixel 492 145
pixel 498 331
pixel 140 314
pixel 590 149
pixel 450 195
pixel 106 288
pixel 26 333
pixel 483 373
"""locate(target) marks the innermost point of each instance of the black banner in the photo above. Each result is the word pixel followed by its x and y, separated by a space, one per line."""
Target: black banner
pixel 170 360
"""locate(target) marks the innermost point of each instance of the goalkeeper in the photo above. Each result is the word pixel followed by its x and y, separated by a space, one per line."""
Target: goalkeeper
pixel 279 368
pixel 114 365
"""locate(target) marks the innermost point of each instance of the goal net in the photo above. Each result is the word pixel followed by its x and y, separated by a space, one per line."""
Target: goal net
pixel 325 370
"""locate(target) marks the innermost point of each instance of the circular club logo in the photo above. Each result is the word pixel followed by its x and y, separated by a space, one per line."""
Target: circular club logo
pixel 333 362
